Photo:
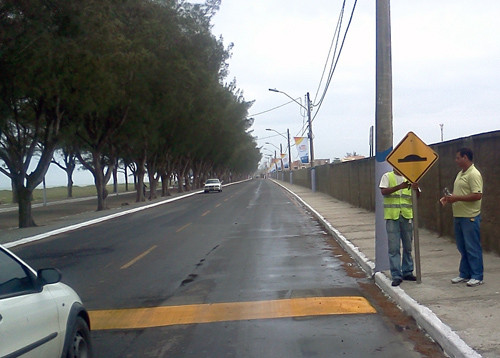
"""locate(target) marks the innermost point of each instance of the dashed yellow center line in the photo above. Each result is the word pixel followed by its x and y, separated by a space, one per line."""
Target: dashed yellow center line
pixel 206 213
pixel 145 253
pixel 218 205
pixel 139 318
pixel 183 227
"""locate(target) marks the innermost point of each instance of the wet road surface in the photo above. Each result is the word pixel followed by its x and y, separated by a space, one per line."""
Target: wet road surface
pixel 242 273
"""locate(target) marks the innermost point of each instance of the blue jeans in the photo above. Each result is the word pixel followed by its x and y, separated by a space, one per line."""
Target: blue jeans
pixel 468 240
pixel 400 230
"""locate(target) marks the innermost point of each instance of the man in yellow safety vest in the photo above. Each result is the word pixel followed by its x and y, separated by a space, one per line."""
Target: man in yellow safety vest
pixel 398 214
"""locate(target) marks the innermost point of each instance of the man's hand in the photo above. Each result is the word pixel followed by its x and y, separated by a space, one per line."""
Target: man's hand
pixel 404 185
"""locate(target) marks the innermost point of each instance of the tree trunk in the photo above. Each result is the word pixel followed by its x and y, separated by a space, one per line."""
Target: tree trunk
pixel 69 174
pixel 153 179
pixel 101 191
pixel 180 182
pixel 24 200
pixel 115 178
pixel 141 187
pixel 15 198
pixel 153 184
pixel 165 182
pixel 126 178
pixel 100 183
pixel 139 181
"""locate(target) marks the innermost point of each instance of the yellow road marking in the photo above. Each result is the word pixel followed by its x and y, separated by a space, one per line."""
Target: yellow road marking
pixel 130 263
pixel 182 228
pixel 218 205
pixel 138 318
pixel 206 213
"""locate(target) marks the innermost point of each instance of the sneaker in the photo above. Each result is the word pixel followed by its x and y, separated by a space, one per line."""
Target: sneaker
pixel 396 282
pixel 409 277
pixel 473 282
pixel 458 279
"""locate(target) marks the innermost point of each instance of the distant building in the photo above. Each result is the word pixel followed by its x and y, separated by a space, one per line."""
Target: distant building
pixel 296 165
pixel 352 157
pixel 321 161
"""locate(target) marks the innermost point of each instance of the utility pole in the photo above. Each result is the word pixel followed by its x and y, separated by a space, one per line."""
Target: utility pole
pixel 311 146
pixel 289 155
pixel 371 140
pixel 441 125
pixel 282 166
pixel 383 125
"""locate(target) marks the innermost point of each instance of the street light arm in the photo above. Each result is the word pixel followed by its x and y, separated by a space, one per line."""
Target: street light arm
pixel 272 145
pixel 273 130
pixel 286 94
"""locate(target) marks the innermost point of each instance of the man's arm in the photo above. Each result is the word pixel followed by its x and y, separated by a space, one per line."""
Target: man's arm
pixel 469 197
pixel 390 190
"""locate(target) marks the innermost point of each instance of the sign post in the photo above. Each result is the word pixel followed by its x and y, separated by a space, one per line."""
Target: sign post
pixel 413 158
pixel 416 238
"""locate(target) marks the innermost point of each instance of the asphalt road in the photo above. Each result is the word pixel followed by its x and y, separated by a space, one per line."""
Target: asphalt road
pixel 242 273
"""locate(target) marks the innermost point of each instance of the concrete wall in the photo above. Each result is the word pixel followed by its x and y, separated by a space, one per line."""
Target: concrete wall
pixel 354 182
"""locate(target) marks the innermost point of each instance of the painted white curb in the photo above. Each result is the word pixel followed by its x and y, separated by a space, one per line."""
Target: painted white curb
pixel 451 343
pixel 93 221
pixel 101 219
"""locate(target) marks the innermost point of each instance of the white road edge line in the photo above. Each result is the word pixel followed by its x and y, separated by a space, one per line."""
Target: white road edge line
pixel 99 220
pixel 449 340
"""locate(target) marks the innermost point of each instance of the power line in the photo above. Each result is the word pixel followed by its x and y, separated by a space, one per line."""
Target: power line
pixel 335 41
pixel 272 109
pixel 334 62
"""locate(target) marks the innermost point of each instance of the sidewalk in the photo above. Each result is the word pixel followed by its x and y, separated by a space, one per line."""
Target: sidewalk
pixel 463 320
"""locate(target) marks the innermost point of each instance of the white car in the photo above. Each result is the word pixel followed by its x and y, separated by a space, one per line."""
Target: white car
pixel 39 316
pixel 212 185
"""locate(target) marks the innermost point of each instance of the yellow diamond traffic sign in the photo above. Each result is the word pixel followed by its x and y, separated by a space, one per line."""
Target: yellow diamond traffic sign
pixel 412 157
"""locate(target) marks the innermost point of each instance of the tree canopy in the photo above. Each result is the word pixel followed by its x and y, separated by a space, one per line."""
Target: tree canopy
pixel 139 80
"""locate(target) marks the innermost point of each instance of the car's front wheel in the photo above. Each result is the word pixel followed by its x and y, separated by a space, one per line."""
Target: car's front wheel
pixel 80 346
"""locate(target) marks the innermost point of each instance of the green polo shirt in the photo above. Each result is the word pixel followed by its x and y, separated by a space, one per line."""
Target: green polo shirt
pixel 467 182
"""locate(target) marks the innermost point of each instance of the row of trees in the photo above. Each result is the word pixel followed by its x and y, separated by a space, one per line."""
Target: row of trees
pixel 141 81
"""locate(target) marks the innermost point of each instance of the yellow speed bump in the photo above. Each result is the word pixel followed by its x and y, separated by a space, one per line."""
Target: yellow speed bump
pixel 137 318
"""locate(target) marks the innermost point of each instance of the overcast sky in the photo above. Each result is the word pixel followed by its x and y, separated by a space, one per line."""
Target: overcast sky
pixel 445 60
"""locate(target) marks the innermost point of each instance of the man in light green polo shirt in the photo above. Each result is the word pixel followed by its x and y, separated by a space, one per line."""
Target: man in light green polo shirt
pixel 466 205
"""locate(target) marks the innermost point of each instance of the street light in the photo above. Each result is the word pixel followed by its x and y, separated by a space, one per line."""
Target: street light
pixel 267 162
pixel 310 135
pixel 281 153
pixel 308 109
pixel 288 143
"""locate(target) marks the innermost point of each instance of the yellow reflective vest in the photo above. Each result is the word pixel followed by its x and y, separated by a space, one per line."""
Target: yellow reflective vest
pixel 398 202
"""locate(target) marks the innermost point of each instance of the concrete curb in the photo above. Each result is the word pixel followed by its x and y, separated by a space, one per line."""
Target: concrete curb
pixel 13 207
pixel 101 219
pixel 93 221
pixel 449 341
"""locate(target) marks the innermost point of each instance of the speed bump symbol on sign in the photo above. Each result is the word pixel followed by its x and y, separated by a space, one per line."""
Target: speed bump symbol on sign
pixel 412 157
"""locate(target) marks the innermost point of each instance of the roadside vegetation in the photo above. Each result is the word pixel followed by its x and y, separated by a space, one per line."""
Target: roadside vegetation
pixel 59 193
pixel 139 85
